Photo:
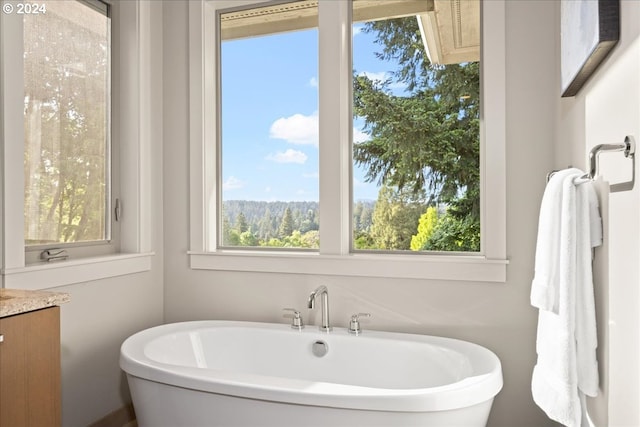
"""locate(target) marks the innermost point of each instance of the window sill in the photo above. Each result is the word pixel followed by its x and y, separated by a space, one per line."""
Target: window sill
pixel 62 273
pixel 434 267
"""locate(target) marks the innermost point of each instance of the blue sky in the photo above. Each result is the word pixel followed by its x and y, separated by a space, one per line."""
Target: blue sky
pixel 270 115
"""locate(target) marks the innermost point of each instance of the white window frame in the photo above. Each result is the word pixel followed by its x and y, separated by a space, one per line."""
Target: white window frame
pixel 334 256
pixel 131 27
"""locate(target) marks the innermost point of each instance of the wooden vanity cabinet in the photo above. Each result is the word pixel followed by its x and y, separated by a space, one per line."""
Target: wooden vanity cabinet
pixel 30 388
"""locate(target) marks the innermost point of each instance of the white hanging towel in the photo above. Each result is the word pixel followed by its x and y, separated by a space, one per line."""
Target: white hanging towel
pixel 562 289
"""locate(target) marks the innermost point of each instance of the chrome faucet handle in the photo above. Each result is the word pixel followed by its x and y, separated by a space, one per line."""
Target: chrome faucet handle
pixel 296 318
pixel 354 323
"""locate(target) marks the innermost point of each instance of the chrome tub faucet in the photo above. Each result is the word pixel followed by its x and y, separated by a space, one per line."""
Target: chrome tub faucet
pixel 324 293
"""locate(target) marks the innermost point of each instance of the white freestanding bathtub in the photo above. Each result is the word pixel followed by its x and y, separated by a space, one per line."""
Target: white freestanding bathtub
pixel 223 373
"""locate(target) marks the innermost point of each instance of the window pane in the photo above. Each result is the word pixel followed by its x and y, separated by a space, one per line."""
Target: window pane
pixel 66 123
pixel 269 121
pixel 416 128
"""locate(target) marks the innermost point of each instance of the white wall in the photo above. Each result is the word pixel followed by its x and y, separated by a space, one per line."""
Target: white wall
pixel 496 315
pixel 100 316
pixel 604 111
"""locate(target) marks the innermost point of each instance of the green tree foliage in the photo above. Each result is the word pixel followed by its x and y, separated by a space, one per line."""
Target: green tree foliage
pixel 428 139
pixel 270 224
pixel 265 226
pixel 230 235
pixel 310 221
pixel 264 218
pixel 286 226
pixel 248 239
pixel 241 223
pixel 426 225
pixel 394 219
pixel 299 240
pixel 362 216
pixel 357 214
pixel 455 234
pixel 446 232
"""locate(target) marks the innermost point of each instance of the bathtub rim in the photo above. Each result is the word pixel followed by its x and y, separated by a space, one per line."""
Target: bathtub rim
pixel 469 391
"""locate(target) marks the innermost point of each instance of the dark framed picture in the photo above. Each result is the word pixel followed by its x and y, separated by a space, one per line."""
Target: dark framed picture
pixel 589 30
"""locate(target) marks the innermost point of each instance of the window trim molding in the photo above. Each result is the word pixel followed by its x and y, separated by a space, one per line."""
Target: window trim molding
pixel 334 257
pixel 493 161
pixel 134 130
pixel 391 266
pixel 78 270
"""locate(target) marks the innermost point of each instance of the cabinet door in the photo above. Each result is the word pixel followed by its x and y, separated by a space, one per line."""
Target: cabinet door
pixel 30 369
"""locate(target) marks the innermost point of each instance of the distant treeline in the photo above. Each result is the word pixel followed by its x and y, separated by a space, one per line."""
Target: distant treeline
pixel 265 218
pixel 390 223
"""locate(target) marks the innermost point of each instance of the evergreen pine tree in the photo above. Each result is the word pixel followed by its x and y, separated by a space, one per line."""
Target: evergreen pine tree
pixel 286 226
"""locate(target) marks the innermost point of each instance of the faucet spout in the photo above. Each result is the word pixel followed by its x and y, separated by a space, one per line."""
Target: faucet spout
pixel 323 292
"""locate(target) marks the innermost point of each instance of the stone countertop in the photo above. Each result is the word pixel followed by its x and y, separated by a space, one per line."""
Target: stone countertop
pixel 17 301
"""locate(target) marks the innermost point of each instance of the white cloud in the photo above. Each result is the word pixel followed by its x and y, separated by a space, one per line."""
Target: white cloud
pixel 303 130
pixel 357 29
pixel 232 183
pixel 297 129
pixel 359 136
pixel 313 82
pixel 381 77
pixel 289 156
